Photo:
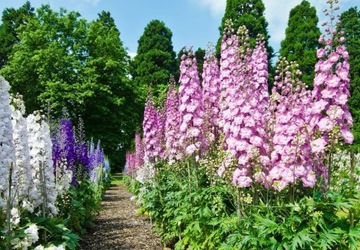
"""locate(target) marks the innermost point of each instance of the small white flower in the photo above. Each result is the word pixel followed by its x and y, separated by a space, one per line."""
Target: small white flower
pixel 32 232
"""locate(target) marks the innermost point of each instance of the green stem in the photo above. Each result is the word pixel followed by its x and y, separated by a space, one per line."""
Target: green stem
pixel 189 175
pixel 238 201
pixel 329 168
pixel 255 195
pixel 352 183
pixel 8 210
pixel 195 169
pixel 43 192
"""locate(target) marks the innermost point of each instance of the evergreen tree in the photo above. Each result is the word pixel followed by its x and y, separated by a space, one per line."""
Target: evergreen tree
pixel 350 24
pixel 251 14
pixel 11 20
pixel 301 39
pixel 154 63
pixel 200 57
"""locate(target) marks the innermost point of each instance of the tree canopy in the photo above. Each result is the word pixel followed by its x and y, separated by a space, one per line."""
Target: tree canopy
pixel 63 61
pixel 301 39
pixel 11 20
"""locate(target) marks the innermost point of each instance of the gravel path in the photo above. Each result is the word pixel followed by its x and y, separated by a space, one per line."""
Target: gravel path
pixel 118 226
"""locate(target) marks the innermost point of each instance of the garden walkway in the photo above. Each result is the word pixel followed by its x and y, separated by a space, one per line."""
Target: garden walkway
pixel 118 226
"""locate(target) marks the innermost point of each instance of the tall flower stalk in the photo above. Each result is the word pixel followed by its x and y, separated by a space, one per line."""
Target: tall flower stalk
pixel 149 130
pixel 192 111
pixel 211 94
pixel 139 151
pixel 290 159
pixel 249 129
pixel 172 123
pixel 331 91
pixel 43 189
pixel 7 149
pixel 22 171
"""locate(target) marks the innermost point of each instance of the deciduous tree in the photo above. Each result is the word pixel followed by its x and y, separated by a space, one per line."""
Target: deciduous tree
pixel 11 20
pixel 63 61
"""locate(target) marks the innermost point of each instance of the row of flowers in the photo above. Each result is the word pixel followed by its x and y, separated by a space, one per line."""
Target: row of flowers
pixel 273 139
pixel 37 169
pixel 228 164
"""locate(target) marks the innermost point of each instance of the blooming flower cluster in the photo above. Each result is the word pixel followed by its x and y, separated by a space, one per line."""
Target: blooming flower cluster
pixel 96 161
pixel 130 164
pixel 139 150
pixel 7 149
pixel 245 103
pixel 172 123
pixel 21 176
pixel 275 140
pixel 290 159
pixel 32 236
pixel 331 92
pixel 43 187
pixel 229 84
pixel 211 94
pixel 249 129
pixel 28 166
pixel 64 155
pixel 153 130
pixel 74 158
pixel 191 108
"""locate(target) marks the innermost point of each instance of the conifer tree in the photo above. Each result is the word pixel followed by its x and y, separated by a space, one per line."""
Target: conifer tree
pixel 301 39
pixel 350 24
pixel 251 14
pixel 154 62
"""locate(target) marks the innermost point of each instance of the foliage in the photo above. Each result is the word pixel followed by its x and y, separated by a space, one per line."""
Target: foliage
pixel 80 204
pixel 309 223
pixel 12 19
pixel 301 39
pixel 186 212
pixel 153 63
pixel 193 209
pixel 265 171
pixel 350 24
pixel 41 204
pixel 249 14
pixel 90 81
pixel 107 66
pixel 48 36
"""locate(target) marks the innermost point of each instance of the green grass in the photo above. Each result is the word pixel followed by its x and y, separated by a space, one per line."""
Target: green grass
pixel 117 179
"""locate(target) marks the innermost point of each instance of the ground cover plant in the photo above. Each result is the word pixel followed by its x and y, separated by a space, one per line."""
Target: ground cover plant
pixel 227 165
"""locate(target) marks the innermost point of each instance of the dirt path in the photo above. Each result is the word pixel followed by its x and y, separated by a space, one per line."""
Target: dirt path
pixel 118 226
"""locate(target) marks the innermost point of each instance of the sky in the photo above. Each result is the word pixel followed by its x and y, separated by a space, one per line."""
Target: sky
pixel 193 22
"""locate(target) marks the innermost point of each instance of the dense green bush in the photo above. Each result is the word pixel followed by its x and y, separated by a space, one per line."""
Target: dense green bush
pixel 80 204
pixel 76 211
pixel 192 209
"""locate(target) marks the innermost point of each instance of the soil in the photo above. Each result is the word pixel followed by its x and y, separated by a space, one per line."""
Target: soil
pixel 118 226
